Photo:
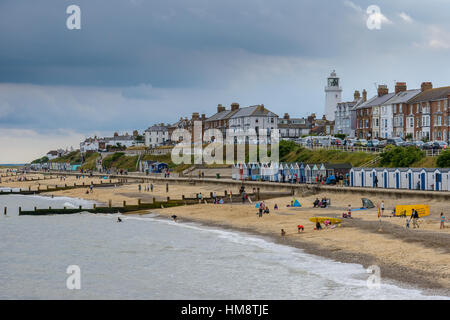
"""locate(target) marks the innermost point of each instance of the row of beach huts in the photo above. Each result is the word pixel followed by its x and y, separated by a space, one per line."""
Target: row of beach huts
pixel 437 179
pixel 288 172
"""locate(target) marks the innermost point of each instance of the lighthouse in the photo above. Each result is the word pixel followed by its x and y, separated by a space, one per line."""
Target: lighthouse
pixel 333 95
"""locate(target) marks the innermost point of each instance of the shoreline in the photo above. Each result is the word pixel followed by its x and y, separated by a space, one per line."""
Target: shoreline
pixel 416 258
pixel 395 276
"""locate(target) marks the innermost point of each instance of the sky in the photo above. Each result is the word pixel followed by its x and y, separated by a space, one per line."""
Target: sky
pixel 135 63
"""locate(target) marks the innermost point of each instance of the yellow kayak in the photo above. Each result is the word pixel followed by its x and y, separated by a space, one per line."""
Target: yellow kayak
pixel 322 219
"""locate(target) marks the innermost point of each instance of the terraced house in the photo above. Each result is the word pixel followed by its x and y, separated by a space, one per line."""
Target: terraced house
pixel 368 114
pixel 431 113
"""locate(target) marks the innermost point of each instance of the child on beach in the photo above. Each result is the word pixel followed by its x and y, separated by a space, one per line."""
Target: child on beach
pixel 283 233
pixel 442 221
pixel 300 228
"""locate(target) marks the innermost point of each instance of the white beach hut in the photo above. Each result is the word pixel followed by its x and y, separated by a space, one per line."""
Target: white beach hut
pixel 403 178
pixel 308 173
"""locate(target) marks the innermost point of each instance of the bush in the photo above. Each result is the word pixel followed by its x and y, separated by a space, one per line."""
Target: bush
pixel 401 156
pixel 443 161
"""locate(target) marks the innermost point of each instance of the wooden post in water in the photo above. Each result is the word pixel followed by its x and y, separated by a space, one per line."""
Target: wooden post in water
pixel 6 210
pixel 168 199
pixel 29 188
pixel 139 202
pixel 154 200
pixel 110 203
pixel 124 203
pixel 95 206
pixel 20 210
pixel 35 209
pixel 80 208
pixel 182 197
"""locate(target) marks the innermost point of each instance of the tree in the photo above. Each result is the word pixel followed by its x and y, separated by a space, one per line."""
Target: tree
pixel 400 156
pixel 443 161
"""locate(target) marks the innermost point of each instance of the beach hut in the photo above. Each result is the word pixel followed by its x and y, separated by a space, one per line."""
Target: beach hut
pixel 409 179
pixel 384 178
pixel 445 179
pixel 403 172
pixel 356 177
pixel 422 179
pixel 302 173
pixel 416 175
pixel 308 173
pixel 391 178
pixel 362 178
pixel 352 177
pixel 322 171
pixel 292 173
pixel 296 172
pixel 235 172
pixel 434 179
pixel 256 172
pixel 275 171
pixel 314 173
pixel 368 177
pixel 372 175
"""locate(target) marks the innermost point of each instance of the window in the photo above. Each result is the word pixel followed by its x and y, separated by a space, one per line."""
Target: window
pixel 400 106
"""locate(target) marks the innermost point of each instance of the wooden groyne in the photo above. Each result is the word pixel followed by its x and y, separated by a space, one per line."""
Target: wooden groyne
pixel 49 188
pixel 140 206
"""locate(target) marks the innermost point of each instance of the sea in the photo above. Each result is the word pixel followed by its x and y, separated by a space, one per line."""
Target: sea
pixel 151 257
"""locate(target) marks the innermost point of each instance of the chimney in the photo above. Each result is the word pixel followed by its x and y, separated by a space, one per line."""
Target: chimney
pixel 426 86
pixel 203 116
pixel 400 87
pixel 220 108
pixel 382 90
pixel 234 106
pixel 195 116
pixel 286 116
pixel 364 95
pixel 356 95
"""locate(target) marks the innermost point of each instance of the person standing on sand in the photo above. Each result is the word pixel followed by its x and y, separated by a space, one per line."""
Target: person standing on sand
pixel 415 217
pixel 151 187
pixel 382 207
pixel 283 233
pixel 140 188
pixel 349 212
pixel 442 221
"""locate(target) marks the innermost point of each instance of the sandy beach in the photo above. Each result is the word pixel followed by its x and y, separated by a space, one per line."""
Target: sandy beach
pixel 417 257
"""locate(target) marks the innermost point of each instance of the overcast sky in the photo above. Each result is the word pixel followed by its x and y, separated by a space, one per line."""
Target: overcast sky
pixel 139 62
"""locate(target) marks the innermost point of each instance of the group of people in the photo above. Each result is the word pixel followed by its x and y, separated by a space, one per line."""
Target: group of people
pixel 147 187
pixel 320 203
pixel 262 208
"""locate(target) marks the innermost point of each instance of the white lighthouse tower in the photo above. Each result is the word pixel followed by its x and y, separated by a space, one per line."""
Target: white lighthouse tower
pixel 333 95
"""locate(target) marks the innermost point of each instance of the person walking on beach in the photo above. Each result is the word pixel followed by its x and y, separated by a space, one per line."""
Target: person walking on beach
pixel 382 208
pixel 442 221
pixel 376 182
pixel 140 188
pixel 151 187
pixel 415 217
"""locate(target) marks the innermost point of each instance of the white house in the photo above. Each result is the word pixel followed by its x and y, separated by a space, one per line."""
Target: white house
pixel 156 135
pixel 90 144
pixel 254 117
